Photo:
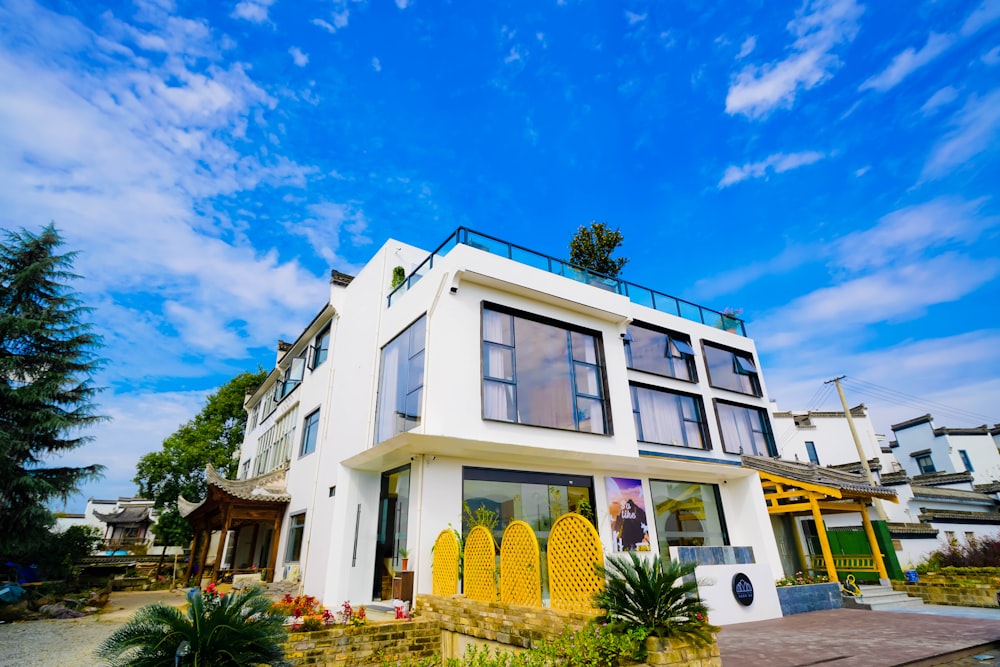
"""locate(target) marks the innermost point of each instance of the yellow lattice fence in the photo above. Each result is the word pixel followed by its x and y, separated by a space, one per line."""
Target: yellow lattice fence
pixel 446 563
pixel 480 560
pixel 520 574
pixel 574 548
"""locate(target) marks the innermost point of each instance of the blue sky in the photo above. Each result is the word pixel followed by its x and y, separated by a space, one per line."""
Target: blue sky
pixel 830 168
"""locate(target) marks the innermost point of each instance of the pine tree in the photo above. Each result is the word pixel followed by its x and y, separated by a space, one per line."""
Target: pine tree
pixel 47 355
pixel 592 247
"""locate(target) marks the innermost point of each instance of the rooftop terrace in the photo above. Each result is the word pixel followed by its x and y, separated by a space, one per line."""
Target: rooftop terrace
pixel 643 296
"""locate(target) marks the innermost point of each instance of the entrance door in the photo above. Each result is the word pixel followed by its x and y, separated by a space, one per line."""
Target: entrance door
pixel 394 507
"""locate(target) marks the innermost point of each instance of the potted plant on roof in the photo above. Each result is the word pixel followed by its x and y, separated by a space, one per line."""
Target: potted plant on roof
pixel 404 554
pixel 729 320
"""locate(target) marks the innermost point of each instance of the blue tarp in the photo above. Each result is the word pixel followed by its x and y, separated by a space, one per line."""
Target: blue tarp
pixel 10 592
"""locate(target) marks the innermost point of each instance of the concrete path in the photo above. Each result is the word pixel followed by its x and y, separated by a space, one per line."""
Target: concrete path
pixel 842 637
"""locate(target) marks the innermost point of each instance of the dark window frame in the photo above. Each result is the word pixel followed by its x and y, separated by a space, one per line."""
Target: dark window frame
pixel 306 431
pixel 772 449
pixel 754 377
pixel 672 337
pixel 699 405
pixel 718 504
pixel 925 463
pixel 600 367
pixel 292 545
pixel 318 350
pixel 966 461
pixel 811 452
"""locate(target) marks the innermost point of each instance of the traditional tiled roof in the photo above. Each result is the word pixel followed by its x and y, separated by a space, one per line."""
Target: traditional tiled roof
pixel 942 478
pixel 911 529
pixel 811 473
pixel 895 478
pixel 992 487
pixel 955 516
pixel 855 466
pixel 934 493
pixel 912 422
pixel 269 487
pixel 126 515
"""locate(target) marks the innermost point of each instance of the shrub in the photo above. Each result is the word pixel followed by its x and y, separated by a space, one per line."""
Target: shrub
pixel 976 552
pixel 308 614
pixel 801 579
pixel 658 595
pixel 231 630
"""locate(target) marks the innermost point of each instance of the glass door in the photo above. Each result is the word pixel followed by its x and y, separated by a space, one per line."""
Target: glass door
pixel 393 514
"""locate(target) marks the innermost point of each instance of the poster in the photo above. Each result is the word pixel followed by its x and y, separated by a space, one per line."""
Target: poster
pixel 627 508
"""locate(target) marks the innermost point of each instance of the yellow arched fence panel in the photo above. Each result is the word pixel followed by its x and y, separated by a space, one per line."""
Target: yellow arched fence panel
pixel 520 573
pixel 446 563
pixel 479 579
pixel 573 550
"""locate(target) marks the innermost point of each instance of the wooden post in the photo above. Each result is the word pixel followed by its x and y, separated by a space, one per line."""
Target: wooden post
pixel 824 542
pixel 272 560
pixel 873 541
pixel 192 557
pixel 204 554
pixel 222 547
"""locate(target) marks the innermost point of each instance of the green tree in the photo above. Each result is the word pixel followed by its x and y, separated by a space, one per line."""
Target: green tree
pixel 592 248
pixel 48 353
pixel 213 436
pixel 234 630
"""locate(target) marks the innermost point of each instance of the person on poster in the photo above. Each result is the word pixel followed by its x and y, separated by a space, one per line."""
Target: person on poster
pixel 627 509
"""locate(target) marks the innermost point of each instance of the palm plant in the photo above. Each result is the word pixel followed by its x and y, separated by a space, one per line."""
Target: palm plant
pixel 658 595
pixel 236 629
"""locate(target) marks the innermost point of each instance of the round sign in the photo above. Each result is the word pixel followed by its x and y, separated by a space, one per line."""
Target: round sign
pixel 742 589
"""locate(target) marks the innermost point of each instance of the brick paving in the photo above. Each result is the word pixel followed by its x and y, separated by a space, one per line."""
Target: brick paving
pixel 842 637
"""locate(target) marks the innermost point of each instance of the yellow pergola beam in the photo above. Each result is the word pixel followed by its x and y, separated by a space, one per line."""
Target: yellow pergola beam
pixel 824 541
pixel 805 486
pixel 873 542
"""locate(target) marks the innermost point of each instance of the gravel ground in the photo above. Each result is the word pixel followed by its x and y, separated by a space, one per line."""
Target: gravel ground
pixel 71 642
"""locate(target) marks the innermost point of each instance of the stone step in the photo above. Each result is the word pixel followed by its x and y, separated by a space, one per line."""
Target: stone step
pixel 881 597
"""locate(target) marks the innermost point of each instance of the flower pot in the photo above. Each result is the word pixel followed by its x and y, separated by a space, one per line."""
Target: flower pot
pixel 406 564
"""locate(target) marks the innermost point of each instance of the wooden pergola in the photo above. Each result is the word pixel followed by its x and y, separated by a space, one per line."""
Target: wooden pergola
pixel 231 504
pixel 798 489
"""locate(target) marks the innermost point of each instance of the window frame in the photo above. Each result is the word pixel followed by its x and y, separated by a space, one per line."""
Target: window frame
pixel 318 350
pixel 717 496
pixel 966 461
pixel 293 529
pixel 772 448
pixel 738 369
pixel 309 425
pixel 672 338
pixel 600 366
pixel 921 460
pixel 811 452
pixel 419 389
pixel 699 406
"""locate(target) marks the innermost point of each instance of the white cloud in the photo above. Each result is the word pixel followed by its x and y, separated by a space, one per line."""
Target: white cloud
pixel 777 163
pixel 634 18
pixel 513 56
pixel 301 59
pixel 858 173
pixel 975 128
pixel 376 64
pixel 818 27
pixel 907 62
pixel 749 44
pixel 324 25
pixel 908 233
pixel 254 11
pixel 339 19
pixel 941 98
pixel 402 4
pixel 987 12
pixel 992 57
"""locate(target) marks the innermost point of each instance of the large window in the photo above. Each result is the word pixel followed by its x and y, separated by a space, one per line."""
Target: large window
pixel 733 370
pixel 542 374
pixel 745 430
pixel 310 430
pixel 402 382
pixel 296 530
pixel 291 378
pixel 687 515
pixel 668 418
pixel 275 445
pixel 926 464
pixel 660 352
pixel 321 347
pixel 811 452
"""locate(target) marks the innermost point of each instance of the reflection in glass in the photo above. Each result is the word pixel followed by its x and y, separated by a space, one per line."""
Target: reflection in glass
pixel 666 418
pixel 401 382
pixel 661 353
pixel 731 370
pixel 687 515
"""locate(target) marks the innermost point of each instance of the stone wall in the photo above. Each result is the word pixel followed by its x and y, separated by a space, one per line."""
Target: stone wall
pixel 810 597
pixel 945 589
pixel 364 645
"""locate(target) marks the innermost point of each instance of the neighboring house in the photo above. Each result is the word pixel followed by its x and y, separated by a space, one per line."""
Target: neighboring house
pixel 500 378
pixel 124 523
pixel 947 502
pixel 922 449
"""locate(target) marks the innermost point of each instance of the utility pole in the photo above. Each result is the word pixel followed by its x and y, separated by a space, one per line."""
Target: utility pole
pixel 857 443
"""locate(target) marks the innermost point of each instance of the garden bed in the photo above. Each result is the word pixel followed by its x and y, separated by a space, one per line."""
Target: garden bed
pixel 972 587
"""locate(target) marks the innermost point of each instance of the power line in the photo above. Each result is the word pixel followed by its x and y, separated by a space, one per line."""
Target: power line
pixel 909 400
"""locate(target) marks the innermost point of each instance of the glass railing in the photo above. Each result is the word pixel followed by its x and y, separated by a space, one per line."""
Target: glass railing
pixel 635 293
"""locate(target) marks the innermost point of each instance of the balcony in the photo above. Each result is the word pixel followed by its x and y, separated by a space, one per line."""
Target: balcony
pixel 635 293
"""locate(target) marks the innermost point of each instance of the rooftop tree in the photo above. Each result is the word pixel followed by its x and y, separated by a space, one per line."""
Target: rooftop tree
pixel 48 354
pixel 592 248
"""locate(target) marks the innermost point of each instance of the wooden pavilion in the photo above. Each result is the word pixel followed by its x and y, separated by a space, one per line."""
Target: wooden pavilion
pixel 251 508
pixel 806 489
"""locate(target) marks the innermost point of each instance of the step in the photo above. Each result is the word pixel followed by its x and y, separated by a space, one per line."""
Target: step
pixel 881 597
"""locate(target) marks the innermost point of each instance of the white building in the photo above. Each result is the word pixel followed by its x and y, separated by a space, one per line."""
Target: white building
pixel 125 523
pixel 923 449
pixel 497 377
